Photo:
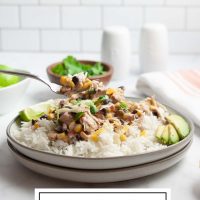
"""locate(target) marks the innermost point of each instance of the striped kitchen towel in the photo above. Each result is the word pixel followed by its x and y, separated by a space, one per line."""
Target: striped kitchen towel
pixel 180 90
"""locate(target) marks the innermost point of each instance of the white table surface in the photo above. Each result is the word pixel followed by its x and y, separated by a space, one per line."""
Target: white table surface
pixel 17 182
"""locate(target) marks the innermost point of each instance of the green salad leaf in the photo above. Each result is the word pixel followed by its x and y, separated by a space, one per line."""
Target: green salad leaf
pixel 72 66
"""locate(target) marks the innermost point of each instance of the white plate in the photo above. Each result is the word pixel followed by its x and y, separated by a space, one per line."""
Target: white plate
pixel 96 163
pixel 99 176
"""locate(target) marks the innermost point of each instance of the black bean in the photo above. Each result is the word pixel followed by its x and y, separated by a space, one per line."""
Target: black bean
pixel 62 103
pixel 122 87
pixel 155 113
pixel 33 121
pixel 106 101
pixel 122 121
pixel 58 128
pixel 78 137
pixel 75 80
pixel 44 116
pixel 134 112
pixel 103 111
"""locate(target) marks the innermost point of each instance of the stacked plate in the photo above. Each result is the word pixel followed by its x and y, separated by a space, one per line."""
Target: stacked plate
pixel 97 170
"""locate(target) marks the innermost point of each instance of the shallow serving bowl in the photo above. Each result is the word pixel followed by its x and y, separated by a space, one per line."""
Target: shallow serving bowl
pixel 105 78
pixel 11 95
pixel 99 176
pixel 97 163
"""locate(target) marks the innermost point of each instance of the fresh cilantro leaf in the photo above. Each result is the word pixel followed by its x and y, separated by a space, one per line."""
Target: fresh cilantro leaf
pixel 72 66
pixel 60 69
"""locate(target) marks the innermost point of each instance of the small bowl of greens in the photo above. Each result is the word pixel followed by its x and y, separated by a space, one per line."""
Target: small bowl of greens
pixel 70 66
pixel 12 89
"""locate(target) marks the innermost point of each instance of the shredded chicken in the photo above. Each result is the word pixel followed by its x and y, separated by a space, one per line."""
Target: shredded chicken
pixel 90 123
pixel 118 95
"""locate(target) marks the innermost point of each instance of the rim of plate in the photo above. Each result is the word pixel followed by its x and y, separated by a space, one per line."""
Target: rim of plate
pixel 13 149
pixel 8 132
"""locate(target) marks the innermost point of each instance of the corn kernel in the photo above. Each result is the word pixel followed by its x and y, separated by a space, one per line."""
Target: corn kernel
pixel 117 105
pixel 99 131
pixel 116 123
pixel 36 125
pixel 80 86
pixel 64 80
pixel 51 116
pixel 71 84
pixel 109 115
pixel 94 137
pixel 110 91
pixel 153 101
pixel 87 84
pixel 143 133
pixel 50 110
pixel 78 128
pixel 122 137
pixel 63 137
pixel 139 113
pixel 152 107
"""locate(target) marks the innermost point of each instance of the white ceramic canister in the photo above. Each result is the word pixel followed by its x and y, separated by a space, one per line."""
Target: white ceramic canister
pixel 153 50
pixel 116 50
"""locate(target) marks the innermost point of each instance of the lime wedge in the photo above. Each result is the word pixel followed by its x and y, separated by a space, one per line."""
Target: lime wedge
pixel 36 111
pixel 28 114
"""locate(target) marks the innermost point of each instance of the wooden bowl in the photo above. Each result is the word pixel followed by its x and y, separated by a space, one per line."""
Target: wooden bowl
pixel 105 78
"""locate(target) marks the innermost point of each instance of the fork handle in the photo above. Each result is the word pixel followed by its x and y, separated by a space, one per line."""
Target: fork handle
pixel 24 73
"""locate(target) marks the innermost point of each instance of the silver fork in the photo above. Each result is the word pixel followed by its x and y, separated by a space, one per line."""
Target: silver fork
pixel 54 87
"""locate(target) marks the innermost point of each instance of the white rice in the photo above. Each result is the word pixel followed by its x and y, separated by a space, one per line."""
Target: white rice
pixel 109 144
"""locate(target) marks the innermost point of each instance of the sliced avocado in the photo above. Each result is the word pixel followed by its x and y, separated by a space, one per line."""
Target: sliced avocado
pixel 159 132
pixel 173 135
pixel 165 135
pixel 180 124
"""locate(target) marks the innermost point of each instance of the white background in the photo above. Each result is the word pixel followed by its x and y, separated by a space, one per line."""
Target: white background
pixel 76 25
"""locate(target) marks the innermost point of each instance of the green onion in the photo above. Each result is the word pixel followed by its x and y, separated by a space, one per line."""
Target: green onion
pixel 123 105
pixel 78 115
pixel 101 99
pixel 93 109
pixel 104 97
